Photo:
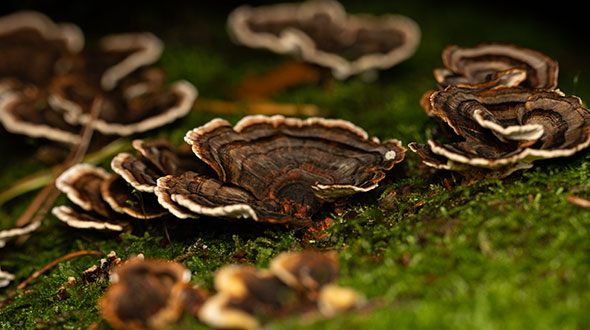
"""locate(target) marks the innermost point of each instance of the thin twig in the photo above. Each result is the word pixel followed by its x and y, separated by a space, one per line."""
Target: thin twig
pixel 579 201
pixel 46 197
pixel 52 264
pixel 44 177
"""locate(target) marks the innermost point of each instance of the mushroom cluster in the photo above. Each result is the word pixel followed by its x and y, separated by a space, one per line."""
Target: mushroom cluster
pixel 153 293
pixel 269 169
pixel 501 102
pixel 49 81
pixel 321 32
pixel 295 283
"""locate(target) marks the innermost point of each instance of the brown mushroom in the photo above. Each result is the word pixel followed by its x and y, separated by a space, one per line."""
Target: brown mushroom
pixel 34 50
pixel 27 112
pixel 278 169
pixel 482 63
pixel 137 103
pixel 146 294
pixel 117 193
pixel 244 294
pixel 82 185
pixel 322 33
pixel 505 129
pixel 306 271
pixel 155 159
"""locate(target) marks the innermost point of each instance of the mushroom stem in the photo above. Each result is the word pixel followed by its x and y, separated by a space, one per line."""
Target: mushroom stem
pixel 45 199
pixel 255 107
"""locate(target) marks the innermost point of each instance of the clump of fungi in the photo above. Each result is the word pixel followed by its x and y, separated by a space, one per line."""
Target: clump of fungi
pixel 50 81
pixel 322 33
pixel 269 169
pixel 501 102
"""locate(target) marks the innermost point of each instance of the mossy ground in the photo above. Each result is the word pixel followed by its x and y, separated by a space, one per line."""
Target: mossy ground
pixel 499 254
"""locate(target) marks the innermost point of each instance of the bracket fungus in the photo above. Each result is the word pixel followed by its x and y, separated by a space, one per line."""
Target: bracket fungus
pixel 34 48
pixel 106 199
pixel 155 159
pixel 322 33
pixel 482 63
pixel 503 130
pixel 82 185
pixel 34 51
pixel 277 169
pixel 135 99
pixel 501 102
pixel 148 293
pixel 49 81
pixel 10 233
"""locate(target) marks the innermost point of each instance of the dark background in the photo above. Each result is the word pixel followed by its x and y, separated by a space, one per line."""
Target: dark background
pixel 199 21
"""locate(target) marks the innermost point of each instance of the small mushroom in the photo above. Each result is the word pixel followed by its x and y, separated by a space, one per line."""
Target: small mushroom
pixel 244 294
pixel 484 62
pixel 145 294
pixel 5 278
pixel 306 271
pixel 322 33
pixel 504 129
pixel 334 300
pixel 278 169
pixel 82 184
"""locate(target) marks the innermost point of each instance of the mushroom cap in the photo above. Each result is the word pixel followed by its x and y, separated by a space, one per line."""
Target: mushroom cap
pixel 81 183
pixel 278 169
pixel 117 56
pixel 139 103
pixel 110 201
pixel 144 293
pixel 84 220
pixel 321 32
pixel 306 270
pixel 5 278
pixel 156 158
pixel 481 63
pixel 244 293
pixel 9 233
pixel 117 193
pixel 334 299
pixel 27 112
pixel 34 48
pixel 506 128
